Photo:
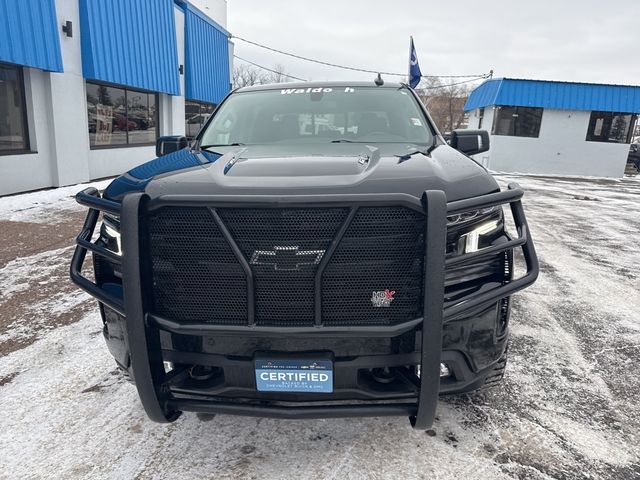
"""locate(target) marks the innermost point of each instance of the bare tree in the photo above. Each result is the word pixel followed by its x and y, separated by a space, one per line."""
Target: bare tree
pixel 245 75
pixel 279 74
pixel 445 103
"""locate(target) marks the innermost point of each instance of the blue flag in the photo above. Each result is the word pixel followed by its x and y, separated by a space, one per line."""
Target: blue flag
pixel 414 68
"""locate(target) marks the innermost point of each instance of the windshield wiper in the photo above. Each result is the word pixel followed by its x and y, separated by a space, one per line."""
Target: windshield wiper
pixel 345 140
pixel 407 156
pixel 236 144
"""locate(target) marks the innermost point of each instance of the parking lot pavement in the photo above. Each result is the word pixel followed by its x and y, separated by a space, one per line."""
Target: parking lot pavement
pixel 568 408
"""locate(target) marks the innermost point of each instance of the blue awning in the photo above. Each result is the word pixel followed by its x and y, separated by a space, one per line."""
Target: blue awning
pixel 557 95
pixel 130 42
pixel 29 34
pixel 206 58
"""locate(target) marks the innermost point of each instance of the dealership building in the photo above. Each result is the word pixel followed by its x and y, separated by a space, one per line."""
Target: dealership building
pixel 86 86
pixel 548 127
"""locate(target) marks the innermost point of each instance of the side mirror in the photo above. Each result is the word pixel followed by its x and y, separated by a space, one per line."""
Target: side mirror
pixel 470 142
pixel 170 144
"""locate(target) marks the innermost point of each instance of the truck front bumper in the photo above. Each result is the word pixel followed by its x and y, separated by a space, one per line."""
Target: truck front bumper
pixel 151 340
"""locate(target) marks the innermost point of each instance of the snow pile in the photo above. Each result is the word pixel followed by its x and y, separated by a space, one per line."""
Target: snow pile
pixel 37 207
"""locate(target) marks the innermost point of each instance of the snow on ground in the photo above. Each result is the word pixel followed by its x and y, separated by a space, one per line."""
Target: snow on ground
pixel 39 206
pixel 568 408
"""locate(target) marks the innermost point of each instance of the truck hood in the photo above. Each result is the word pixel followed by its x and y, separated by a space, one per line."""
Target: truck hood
pixel 308 170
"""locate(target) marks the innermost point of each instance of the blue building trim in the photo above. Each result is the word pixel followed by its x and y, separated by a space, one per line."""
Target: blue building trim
pixel 131 43
pixel 556 95
pixel 207 76
pixel 29 34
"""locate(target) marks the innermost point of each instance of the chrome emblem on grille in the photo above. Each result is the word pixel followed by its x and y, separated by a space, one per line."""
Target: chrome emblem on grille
pixel 286 258
pixel 383 298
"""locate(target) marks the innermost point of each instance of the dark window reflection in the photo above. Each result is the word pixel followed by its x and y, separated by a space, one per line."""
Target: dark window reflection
pixel 196 114
pixel 517 121
pixel 142 115
pixel 119 116
pixel 613 127
pixel 13 118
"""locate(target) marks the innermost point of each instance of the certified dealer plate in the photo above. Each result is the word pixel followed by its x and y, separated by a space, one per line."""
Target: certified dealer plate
pixel 294 375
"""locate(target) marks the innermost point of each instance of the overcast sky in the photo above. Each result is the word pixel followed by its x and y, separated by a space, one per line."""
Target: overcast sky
pixel 575 40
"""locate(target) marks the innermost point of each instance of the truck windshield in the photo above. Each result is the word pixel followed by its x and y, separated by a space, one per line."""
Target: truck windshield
pixel 319 115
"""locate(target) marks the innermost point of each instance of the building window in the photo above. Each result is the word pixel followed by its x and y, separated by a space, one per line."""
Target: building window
pixel 195 115
pixel 517 121
pixel 14 136
pixel 611 127
pixel 480 117
pixel 121 116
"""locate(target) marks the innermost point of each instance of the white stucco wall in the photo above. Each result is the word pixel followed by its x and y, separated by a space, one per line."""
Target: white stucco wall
pixel 68 107
pixel 176 113
pixel 561 148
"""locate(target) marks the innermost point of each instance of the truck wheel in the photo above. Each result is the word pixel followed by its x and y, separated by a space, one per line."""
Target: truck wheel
pixel 497 374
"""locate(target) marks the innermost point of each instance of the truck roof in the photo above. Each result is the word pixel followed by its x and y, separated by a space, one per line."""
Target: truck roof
pixel 277 86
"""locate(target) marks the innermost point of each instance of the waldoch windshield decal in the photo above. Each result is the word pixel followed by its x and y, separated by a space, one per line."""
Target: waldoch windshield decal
pixel 288 91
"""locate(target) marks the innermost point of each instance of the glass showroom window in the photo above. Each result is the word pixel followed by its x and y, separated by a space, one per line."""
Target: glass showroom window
pixel 612 127
pixel 517 121
pixel 14 137
pixel 121 116
pixel 195 115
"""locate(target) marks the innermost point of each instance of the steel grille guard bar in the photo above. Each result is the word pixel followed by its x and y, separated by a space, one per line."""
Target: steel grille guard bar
pixel 143 328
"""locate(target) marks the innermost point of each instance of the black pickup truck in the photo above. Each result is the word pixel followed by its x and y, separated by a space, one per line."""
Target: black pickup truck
pixel 317 250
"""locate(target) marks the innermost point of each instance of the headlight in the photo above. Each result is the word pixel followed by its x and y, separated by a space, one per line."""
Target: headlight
pixel 110 234
pixel 472 239
pixel 473 230
pixel 464 217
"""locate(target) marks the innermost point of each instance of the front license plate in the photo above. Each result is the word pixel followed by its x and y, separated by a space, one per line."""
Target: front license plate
pixel 279 375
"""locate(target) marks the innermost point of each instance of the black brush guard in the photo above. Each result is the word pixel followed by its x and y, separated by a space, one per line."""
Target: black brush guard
pixel 143 328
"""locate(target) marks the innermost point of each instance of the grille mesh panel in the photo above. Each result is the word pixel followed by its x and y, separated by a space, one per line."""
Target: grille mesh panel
pixel 383 249
pixel 197 278
pixel 284 289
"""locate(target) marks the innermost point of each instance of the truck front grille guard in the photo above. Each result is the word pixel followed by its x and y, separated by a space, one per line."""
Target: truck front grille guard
pixel 143 328
pixel 204 260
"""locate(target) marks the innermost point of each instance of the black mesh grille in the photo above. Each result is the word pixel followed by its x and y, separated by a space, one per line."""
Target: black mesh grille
pixel 197 278
pixel 284 247
pixel 383 249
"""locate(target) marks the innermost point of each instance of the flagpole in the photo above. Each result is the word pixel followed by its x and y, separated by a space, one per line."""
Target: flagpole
pixel 409 66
